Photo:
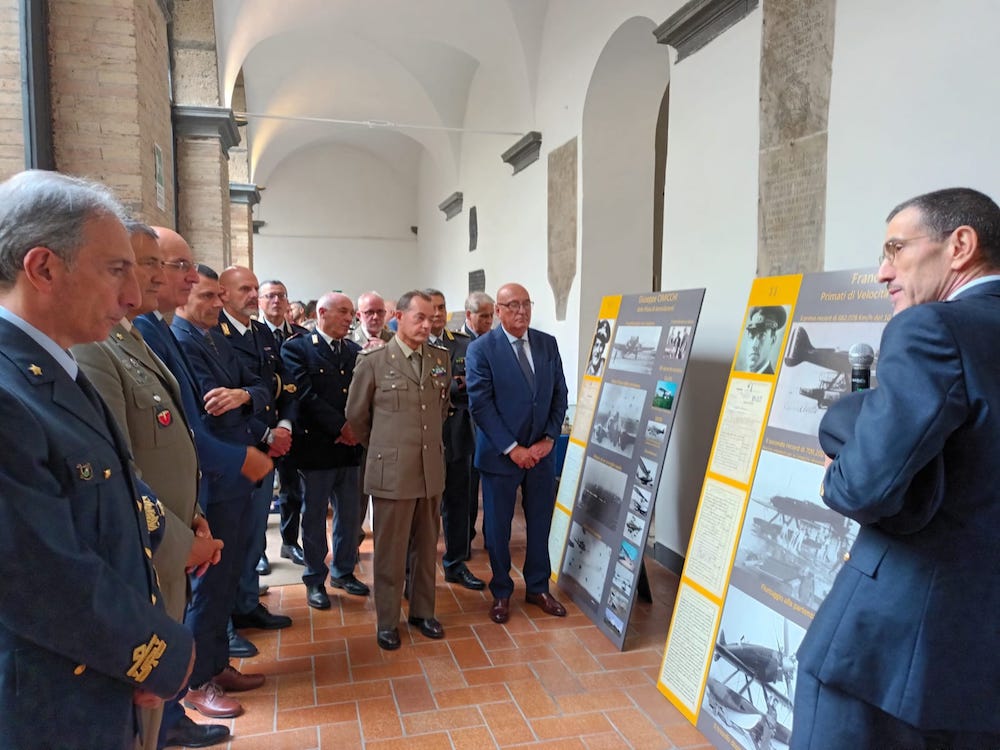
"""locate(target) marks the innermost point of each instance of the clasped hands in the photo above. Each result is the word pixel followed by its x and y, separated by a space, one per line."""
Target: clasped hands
pixel 527 458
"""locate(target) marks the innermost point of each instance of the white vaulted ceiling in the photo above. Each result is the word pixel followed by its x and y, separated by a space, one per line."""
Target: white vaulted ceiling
pixel 401 62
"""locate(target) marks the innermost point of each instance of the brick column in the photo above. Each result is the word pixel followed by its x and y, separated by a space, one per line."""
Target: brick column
pixel 204 132
pixel 242 198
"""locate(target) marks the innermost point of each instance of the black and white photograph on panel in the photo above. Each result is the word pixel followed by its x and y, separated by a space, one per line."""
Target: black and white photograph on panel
pixel 613 621
pixel 751 678
pixel 820 363
pixel 602 489
pixel 639 501
pixel 616 423
pixel 792 545
pixel 617 602
pixel 678 341
pixel 635 348
pixel 634 527
pixel 628 555
pixel 623 578
pixel 655 431
pixel 599 348
pixel 763 333
pixel 645 471
pixel 586 560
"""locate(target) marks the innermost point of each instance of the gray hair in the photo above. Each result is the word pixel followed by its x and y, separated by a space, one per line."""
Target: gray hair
pixel 431 292
pixel 943 211
pixel 48 209
pixel 134 227
pixel 476 300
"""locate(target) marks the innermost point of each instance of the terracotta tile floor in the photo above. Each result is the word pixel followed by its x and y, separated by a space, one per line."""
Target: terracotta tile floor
pixel 538 681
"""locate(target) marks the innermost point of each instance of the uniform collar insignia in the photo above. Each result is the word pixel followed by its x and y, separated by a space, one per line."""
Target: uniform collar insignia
pixel 34 369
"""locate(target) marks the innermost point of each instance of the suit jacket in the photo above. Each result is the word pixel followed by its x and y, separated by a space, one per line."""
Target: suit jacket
pixel 920 590
pixel 145 400
pixel 220 461
pixel 323 379
pixel 459 441
pixel 73 531
pixel 398 417
pixel 504 407
pixel 259 353
pixel 219 367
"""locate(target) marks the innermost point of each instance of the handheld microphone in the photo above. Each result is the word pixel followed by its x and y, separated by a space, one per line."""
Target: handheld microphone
pixel 861 357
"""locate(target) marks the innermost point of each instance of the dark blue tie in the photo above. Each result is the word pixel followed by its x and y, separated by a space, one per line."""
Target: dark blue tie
pixel 522 359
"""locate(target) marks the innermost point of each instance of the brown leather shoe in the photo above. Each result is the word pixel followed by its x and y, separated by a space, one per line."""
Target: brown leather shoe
pixel 210 701
pixel 549 604
pixel 500 611
pixel 232 680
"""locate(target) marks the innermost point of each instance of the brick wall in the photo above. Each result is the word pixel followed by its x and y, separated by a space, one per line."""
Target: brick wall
pixel 110 104
pixel 11 112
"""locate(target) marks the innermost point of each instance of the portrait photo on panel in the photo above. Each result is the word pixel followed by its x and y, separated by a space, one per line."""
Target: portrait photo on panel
pixel 678 341
pixel 763 333
pixel 599 348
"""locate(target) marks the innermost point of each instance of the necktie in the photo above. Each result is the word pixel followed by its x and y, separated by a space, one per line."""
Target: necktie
pixel 335 345
pixel 90 392
pixel 522 359
pixel 279 335
pixel 415 361
pixel 211 343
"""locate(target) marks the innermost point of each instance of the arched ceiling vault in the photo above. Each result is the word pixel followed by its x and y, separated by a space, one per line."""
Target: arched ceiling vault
pixel 392 61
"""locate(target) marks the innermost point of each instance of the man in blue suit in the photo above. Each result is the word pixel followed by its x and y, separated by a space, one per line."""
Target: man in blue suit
pixel 84 636
pixel 233 398
pixel 902 653
pixel 517 396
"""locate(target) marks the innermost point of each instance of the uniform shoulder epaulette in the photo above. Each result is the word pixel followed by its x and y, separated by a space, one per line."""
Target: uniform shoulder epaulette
pixel 437 346
pixel 460 333
pixel 369 350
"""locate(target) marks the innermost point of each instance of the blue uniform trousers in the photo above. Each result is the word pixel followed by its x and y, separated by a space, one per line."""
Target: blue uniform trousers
pixel 322 487
pixel 538 498
pixel 247 594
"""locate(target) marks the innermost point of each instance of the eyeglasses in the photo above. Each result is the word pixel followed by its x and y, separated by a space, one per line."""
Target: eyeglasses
pixel 151 263
pixel 372 313
pixel 274 295
pixel 892 247
pixel 516 307
pixel 179 265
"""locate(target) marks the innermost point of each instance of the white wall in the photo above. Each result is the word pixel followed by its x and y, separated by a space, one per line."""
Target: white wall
pixel 913 108
pixel 709 240
pixel 337 218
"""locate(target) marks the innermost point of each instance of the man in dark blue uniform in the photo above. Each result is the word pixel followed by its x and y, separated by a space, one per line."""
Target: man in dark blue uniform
pixel 274 307
pixel 257 350
pixel 74 666
pixel 325 450
pixel 459 447
pixel 233 396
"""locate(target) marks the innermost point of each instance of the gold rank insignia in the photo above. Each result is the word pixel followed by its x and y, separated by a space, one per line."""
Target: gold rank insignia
pixel 118 335
pixel 34 369
pixel 146 658
pixel 290 388
pixel 85 471
pixel 153 511
pixel 315 338
pixel 225 328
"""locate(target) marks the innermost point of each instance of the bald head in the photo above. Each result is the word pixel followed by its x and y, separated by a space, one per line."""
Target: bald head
pixel 334 313
pixel 514 309
pixel 179 271
pixel 239 292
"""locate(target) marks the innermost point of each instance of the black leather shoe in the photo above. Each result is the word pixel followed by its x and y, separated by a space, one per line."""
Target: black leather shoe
pixel 429 626
pixel 186 733
pixel 464 577
pixel 263 566
pixel 259 617
pixel 294 553
pixel 240 647
pixel 351 585
pixel 388 639
pixel 318 598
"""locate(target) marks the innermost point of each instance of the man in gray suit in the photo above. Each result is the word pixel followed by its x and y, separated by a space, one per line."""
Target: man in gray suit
pixel 396 406
pixel 144 398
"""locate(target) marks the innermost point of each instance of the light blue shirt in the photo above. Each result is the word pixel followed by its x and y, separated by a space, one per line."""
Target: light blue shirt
pixel 60 355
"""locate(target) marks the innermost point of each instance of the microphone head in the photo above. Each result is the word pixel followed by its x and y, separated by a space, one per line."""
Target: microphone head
pixel 861 355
